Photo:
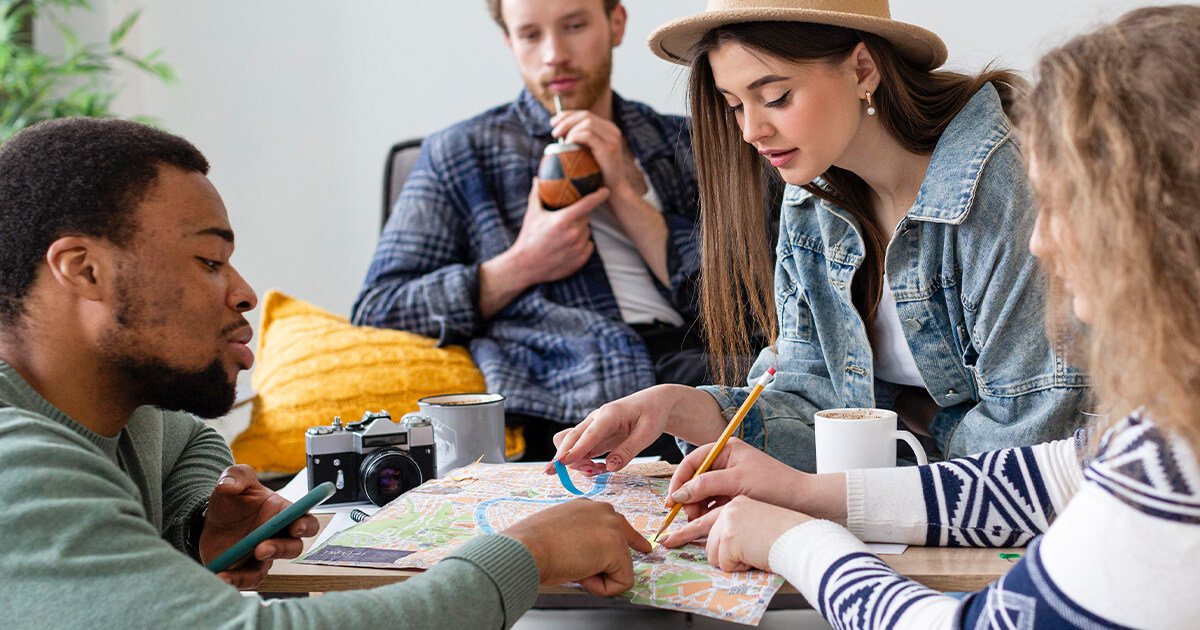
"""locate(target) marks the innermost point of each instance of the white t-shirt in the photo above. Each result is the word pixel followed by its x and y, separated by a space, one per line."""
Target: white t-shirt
pixel 894 360
pixel 632 285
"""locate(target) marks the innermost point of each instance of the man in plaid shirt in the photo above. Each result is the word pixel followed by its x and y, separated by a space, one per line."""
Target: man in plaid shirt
pixel 562 310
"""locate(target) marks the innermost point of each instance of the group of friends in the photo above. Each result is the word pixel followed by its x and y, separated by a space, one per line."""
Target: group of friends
pixel 879 231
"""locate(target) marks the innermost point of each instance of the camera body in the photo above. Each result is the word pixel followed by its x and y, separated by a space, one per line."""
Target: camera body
pixel 375 459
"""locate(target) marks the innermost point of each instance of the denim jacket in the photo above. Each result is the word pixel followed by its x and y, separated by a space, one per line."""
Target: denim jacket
pixel 968 292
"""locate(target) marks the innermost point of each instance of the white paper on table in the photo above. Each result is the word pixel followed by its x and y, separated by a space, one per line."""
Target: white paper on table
pixel 297 487
pixel 887 549
pixel 339 522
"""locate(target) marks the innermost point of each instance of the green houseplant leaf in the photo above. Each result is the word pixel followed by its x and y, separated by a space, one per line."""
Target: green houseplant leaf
pixel 35 86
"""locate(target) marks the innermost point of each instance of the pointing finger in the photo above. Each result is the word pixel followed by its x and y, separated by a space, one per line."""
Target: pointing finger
pixel 693 530
pixel 634 537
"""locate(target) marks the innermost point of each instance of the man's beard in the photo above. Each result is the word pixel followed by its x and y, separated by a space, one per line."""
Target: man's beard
pixel 206 393
pixel 590 88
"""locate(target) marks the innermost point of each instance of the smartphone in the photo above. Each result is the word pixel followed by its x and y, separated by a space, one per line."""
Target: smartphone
pixel 245 546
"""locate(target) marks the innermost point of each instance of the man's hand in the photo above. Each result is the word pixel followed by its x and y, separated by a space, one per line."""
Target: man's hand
pixel 550 246
pixel 239 504
pixel 740 533
pixel 608 146
pixel 642 222
pixel 554 244
pixel 581 541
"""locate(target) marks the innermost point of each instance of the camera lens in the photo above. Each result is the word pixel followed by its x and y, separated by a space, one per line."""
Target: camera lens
pixel 387 474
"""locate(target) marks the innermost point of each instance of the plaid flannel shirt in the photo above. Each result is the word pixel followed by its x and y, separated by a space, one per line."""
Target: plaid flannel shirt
pixel 560 349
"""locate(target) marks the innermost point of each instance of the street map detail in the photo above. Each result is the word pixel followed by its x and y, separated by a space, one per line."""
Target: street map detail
pixel 427 523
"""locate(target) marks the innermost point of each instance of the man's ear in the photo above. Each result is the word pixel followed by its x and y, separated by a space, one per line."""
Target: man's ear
pixel 82 265
pixel 616 22
pixel 866 73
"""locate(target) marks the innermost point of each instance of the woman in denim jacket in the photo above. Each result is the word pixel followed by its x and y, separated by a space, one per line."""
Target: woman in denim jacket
pixel 902 278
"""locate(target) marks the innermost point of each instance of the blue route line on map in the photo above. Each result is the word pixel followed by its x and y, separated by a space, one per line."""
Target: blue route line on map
pixel 565 478
pixel 601 483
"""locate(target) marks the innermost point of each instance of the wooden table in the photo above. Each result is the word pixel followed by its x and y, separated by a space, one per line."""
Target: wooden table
pixel 940 568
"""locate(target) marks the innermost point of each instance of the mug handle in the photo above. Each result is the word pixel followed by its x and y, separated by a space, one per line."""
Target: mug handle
pixel 911 439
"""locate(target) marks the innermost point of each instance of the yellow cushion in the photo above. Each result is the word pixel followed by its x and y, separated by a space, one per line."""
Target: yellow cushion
pixel 514 443
pixel 313 365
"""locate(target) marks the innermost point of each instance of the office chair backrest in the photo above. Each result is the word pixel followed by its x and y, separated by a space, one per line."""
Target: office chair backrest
pixel 400 161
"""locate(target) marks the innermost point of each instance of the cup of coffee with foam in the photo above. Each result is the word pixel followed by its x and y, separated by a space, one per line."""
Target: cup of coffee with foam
pixel 854 438
pixel 465 426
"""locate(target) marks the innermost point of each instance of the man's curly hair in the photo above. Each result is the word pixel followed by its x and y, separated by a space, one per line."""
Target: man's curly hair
pixel 75 176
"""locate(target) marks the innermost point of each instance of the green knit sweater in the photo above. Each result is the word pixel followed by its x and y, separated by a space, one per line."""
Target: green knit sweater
pixel 92 533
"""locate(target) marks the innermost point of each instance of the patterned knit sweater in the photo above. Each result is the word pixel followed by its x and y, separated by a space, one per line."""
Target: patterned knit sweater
pixel 1114 542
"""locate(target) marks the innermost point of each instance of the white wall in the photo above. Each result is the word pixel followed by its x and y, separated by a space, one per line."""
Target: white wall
pixel 295 102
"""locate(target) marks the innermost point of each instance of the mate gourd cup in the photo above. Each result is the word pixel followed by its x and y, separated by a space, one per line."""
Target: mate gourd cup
pixel 568 173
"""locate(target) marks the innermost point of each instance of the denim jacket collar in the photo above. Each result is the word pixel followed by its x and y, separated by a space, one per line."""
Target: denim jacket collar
pixel 951 181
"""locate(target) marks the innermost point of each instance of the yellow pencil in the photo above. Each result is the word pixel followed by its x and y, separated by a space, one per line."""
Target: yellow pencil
pixel 725 435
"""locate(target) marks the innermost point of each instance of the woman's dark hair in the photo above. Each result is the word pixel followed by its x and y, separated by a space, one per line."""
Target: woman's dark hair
pixel 75 176
pixel 914 105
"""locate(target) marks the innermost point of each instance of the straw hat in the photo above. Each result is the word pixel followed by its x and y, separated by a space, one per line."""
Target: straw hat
pixel 673 40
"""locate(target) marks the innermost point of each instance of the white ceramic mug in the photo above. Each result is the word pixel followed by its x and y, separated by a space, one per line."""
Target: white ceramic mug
pixel 466 426
pixel 849 439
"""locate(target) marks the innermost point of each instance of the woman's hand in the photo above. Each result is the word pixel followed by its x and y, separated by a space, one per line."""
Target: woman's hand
pixel 624 427
pixel 738 470
pixel 742 470
pixel 740 533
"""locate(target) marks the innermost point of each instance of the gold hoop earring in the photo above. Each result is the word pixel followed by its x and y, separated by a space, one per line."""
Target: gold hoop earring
pixel 870 105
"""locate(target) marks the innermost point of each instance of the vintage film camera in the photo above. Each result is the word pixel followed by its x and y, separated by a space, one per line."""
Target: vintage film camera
pixel 375 459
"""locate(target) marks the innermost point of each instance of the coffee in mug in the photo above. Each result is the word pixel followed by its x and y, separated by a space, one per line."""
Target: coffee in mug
pixel 852 414
pixel 465 426
pixel 855 438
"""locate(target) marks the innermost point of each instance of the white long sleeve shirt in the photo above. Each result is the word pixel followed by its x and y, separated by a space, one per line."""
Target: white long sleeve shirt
pixel 1115 538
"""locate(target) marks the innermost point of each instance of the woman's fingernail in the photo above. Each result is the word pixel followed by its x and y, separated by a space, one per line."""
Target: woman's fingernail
pixel 680 496
pixel 225 479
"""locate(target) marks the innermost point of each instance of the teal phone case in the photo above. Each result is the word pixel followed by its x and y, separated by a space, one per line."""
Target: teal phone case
pixel 245 546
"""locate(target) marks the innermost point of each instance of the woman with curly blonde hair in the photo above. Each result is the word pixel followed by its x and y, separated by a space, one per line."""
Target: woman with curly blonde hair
pixel 1112 520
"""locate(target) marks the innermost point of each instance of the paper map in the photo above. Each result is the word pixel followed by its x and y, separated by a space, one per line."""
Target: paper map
pixel 427 523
